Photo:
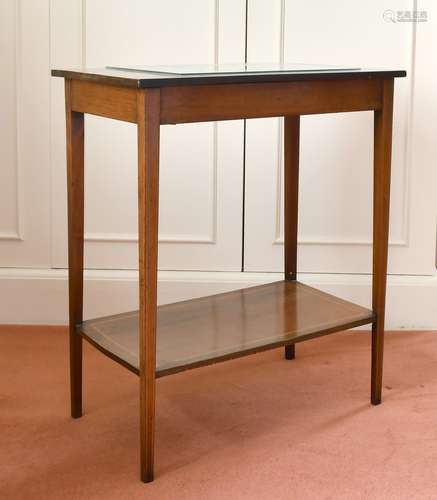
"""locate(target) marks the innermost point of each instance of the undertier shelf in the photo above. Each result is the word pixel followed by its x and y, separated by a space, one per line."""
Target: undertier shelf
pixel 202 331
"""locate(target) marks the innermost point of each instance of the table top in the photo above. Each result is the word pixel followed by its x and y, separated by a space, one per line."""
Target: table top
pixel 163 76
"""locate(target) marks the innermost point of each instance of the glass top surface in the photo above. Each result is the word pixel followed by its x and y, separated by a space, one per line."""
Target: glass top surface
pixel 233 69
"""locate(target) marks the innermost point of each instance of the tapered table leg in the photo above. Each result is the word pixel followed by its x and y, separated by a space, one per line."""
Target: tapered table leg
pixel 148 114
pixel 75 187
pixel 381 206
pixel 291 197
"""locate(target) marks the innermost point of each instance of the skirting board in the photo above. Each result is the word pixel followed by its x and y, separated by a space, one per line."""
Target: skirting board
pixel 37 296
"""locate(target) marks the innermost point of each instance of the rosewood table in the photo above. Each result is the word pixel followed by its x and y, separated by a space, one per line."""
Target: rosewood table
pixel 158 341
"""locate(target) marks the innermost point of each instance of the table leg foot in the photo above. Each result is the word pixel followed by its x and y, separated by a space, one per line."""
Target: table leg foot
pixel 290 351
pixel 377 364
pixel 147 478
pixel 76 375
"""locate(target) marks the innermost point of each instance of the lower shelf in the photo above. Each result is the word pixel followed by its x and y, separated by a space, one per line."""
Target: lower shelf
pixel 210 329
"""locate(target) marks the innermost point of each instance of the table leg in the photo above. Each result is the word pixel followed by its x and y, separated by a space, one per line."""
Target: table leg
pixel 381 206
pixel 75 188
pixel 291 197
pixel 148 115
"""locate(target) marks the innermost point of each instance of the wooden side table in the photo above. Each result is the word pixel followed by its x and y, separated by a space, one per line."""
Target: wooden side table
pixel 157 341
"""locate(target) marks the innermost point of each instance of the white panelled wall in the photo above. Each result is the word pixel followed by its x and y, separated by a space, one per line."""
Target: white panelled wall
pixel 201 164
pixel 209 171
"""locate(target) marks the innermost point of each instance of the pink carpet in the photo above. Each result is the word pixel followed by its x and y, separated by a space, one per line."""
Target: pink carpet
pixel 254 428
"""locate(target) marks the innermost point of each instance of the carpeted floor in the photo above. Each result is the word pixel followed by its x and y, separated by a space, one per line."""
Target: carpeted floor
pixel 254 428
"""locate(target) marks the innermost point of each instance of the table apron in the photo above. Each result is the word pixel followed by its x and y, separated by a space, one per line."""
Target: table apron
pixel 232 102
pixel 200 103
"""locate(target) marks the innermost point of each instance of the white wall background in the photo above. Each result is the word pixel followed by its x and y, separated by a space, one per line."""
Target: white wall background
pixel 202 189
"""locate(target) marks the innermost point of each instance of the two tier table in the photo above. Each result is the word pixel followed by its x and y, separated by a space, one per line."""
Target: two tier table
pixel 158 341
